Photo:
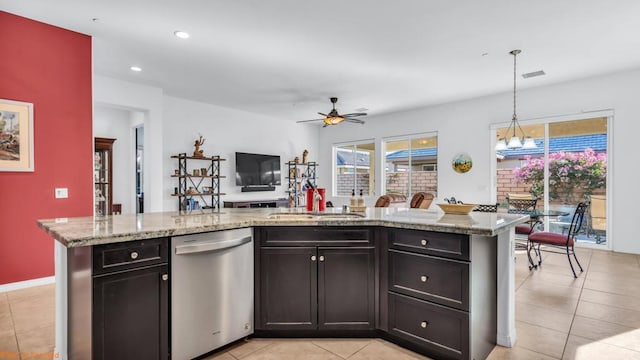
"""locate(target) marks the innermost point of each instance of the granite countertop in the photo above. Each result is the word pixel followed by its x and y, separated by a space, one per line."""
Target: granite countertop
pixel 87 231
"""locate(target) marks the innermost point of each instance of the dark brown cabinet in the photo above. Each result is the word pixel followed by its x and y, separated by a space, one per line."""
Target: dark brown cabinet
pixel 130 300
pixel 346 288
pixel 288 288
pixel 303 287
pixel 430 279
pixel 442 331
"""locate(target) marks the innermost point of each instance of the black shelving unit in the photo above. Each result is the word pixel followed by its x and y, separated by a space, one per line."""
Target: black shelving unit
pixel 198 191
pixel 297 176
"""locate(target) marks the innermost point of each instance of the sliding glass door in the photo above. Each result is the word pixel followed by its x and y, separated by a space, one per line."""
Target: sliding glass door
pixel 568 166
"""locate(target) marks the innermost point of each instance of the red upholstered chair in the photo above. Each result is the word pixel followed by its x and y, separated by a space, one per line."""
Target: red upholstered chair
pixel 553 241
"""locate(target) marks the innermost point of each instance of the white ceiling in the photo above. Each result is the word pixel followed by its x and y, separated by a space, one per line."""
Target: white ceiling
pixel 285 58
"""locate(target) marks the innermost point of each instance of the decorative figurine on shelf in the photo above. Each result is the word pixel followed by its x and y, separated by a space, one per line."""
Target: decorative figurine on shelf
pixel 296 160
pixel 198 152
pixel 304 156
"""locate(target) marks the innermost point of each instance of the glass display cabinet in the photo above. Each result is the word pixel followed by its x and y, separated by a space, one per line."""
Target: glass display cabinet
pixel 102 176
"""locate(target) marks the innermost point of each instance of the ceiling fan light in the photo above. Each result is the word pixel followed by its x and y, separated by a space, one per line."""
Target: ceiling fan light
pixel 333 120
pixel 529 143
pixel 501 145
pixel 514 143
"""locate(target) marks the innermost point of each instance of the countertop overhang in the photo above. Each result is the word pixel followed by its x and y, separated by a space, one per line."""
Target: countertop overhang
pixel 95 230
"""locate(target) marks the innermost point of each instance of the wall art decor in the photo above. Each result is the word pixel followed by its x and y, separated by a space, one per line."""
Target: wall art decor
pixel 16 136
pixel 461 163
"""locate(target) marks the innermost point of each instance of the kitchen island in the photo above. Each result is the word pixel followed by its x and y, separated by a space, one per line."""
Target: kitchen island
pixel 483 247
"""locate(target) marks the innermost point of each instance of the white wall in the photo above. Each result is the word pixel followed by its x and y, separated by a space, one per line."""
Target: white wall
pixel 148 100
pixel 464 126
pixel 227 131
pixel 115 123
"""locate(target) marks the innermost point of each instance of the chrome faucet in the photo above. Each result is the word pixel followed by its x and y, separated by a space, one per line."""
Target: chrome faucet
pixel 316 201
pixel 315 207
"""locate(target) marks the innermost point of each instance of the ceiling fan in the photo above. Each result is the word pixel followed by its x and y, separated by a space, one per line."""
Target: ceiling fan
pixel 334 118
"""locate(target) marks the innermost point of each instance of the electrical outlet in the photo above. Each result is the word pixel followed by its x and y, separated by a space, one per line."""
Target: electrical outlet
pixel 62 193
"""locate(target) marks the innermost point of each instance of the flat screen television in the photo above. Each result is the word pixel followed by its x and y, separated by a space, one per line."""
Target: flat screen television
pixel 257 170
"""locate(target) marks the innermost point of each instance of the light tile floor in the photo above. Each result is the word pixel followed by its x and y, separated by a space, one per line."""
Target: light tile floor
pixel 596 316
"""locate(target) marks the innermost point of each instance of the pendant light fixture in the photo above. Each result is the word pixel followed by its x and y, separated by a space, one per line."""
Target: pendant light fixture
pixel 514 141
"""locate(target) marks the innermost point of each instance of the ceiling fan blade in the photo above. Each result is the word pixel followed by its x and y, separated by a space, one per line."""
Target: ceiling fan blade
pixel 354 114
pixel 325 125
pixel 303 121
pixel 356 121
pixel 325 115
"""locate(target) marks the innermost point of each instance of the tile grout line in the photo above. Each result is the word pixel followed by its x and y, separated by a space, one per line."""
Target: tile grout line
pixel 573 319
pixel 13 323
pixel 331 352
pixel 364 347
pixel 327 350
pixel 249 353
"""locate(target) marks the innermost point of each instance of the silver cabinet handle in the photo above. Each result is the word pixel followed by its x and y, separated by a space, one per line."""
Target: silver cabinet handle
pixel 321 258
pixel 134 255
pixel 211 246
pixel 313 258
pixel 424 278
pixel 165 277
pixel 424 324
pixel 424 242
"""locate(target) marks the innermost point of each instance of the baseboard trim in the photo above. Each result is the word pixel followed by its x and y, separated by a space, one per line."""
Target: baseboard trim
pixel 27 284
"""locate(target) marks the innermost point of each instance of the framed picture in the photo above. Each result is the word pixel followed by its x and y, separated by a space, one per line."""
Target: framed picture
pixel 16 136
pixel 461 163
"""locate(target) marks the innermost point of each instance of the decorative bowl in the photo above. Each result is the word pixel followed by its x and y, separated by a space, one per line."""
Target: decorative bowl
pixel 457 209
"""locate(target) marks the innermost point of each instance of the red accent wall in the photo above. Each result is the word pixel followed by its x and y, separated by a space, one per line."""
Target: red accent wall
pixel 51 68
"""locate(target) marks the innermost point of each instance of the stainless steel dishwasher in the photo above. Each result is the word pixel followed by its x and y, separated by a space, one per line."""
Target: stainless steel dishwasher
pixel 211 291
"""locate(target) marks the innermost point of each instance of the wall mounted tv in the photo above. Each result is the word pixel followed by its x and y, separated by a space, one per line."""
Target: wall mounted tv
pixel 257 172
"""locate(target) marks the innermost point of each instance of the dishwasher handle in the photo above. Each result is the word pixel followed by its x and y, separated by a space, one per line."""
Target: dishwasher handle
pixel 211 246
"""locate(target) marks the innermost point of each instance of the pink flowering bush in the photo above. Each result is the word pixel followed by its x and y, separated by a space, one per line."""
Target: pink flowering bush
pixel 572 175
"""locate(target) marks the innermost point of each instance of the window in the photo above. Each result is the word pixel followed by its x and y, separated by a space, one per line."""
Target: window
pixel 411 165
pixel 354 168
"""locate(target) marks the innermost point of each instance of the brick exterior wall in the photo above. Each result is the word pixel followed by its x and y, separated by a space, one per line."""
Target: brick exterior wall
pixel 507 184
pixel 398 182
pixel 345 184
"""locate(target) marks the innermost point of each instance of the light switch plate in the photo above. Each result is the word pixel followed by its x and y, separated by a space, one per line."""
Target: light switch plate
pixel 62 193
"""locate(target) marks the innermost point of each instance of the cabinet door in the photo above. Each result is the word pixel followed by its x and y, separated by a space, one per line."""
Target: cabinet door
pixel 288 288
pixel 131 315
pixel 346 293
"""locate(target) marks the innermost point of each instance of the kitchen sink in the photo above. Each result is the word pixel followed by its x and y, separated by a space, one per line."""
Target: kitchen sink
pixel 290 216
pixel 312 216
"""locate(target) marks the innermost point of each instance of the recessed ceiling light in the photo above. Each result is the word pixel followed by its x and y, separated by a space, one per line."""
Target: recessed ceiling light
pixel 136 68
pixel 533 74
pixel 181 34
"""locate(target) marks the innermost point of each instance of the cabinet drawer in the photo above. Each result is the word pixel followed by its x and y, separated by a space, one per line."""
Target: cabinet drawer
pixel 454 246
pixel 429 278
pixel 441 331
pixel 128 255
pixel 314 236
